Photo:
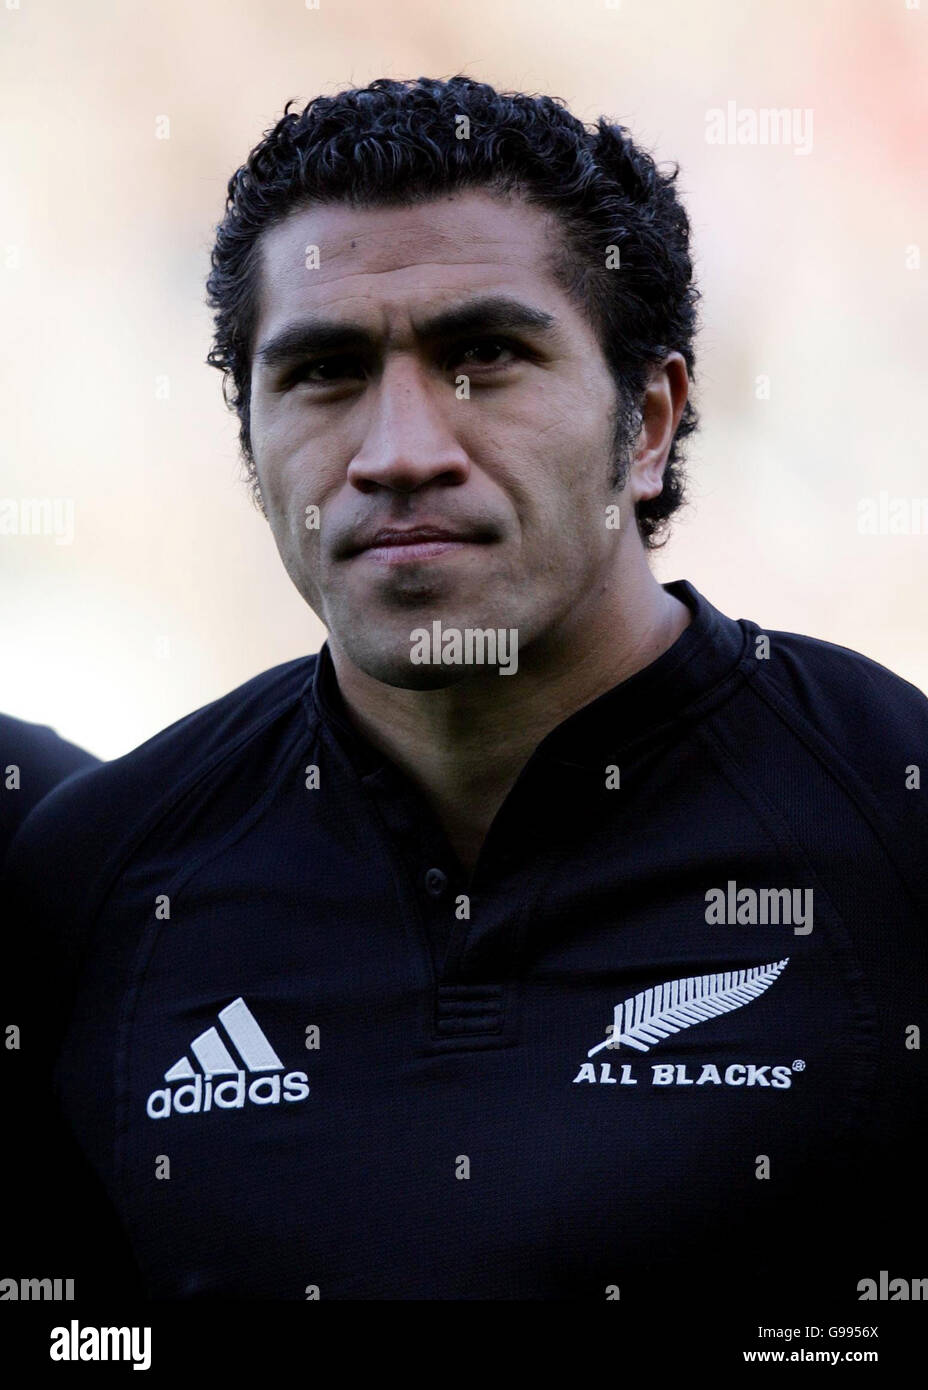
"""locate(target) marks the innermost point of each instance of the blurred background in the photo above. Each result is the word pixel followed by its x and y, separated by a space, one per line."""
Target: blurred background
pixel 157 587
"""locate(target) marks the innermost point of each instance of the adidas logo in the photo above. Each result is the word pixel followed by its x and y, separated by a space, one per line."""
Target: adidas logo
pixel 199 1094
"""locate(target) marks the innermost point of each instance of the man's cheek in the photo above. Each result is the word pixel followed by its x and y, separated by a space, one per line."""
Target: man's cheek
pixel 279 476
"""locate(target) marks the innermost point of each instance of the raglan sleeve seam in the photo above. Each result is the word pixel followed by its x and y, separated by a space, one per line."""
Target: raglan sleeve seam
pixel 854 787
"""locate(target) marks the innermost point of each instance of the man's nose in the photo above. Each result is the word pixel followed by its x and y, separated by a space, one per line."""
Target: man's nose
pixel 409 440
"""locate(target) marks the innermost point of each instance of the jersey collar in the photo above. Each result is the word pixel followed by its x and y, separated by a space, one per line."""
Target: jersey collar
pixel 696 671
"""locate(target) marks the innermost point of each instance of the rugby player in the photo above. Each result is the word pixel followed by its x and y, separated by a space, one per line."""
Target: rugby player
pixel 549 934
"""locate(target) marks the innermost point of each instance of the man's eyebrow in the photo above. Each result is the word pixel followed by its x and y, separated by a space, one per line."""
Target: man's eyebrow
pixel 493 314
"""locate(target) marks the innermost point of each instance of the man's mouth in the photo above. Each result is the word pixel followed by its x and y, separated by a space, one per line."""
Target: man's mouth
pixel 395 545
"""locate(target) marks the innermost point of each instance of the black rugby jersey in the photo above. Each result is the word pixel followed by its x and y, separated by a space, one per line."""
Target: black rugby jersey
pixel 41 759
pixel 659 1044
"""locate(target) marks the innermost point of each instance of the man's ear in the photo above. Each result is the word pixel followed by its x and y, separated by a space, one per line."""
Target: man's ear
pixel 661 407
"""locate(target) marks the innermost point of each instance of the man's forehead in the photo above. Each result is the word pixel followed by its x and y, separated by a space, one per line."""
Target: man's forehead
pixel 324 243
pixel 423 254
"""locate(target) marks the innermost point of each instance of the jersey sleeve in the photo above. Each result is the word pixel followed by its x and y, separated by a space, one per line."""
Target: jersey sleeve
pixel 33 760
pixel 869 728
pixel 58 1221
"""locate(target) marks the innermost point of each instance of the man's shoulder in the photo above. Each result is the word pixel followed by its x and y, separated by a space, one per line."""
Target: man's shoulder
pixel 852 712
pixel 23 737
pixel 34 758
pixel 94 810
pixel 826 680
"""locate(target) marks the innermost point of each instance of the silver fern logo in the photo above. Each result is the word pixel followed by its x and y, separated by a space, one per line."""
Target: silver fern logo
pixel 655 1013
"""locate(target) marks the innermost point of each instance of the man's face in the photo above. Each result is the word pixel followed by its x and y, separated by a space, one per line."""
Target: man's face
pixel 363 416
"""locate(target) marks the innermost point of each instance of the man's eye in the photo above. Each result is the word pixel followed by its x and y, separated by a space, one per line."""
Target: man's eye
pixel 484 346
pixel 323 370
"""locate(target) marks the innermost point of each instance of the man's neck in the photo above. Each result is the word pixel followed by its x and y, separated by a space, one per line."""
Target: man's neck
pixel 465 745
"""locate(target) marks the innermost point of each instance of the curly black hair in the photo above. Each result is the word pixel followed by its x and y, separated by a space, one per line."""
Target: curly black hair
pixel 396 143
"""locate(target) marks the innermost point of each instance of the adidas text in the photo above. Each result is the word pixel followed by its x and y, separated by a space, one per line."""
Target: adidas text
pixel 198 1096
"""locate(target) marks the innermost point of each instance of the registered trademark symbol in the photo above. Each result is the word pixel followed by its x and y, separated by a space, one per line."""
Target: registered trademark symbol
pixel 798 1066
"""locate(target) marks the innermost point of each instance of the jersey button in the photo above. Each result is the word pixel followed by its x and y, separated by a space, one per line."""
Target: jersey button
pixel 435 882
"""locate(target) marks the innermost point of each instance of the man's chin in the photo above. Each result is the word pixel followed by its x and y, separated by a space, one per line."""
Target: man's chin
pixel 397 669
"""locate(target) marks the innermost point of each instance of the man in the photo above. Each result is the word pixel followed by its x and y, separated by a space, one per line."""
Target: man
pixel 33 759
pixel 550 935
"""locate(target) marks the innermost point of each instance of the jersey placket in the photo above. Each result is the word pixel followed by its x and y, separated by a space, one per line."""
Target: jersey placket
pixel 474 928
pixel 470 1006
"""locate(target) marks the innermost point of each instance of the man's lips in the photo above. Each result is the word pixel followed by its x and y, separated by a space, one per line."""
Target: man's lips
pixel 394 544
